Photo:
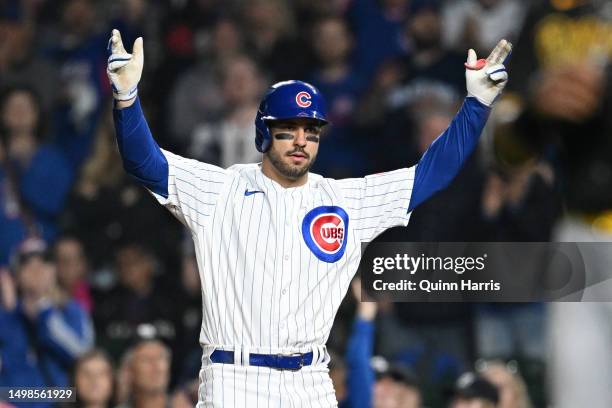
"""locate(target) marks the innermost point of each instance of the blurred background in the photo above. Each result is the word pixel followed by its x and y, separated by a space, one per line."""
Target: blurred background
pixel 98 283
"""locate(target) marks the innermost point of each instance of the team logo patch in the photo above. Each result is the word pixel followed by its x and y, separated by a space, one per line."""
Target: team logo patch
pixel 303 99
pixel 324 230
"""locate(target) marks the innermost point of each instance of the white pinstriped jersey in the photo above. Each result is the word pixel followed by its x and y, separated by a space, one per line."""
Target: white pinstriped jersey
pixel 274 262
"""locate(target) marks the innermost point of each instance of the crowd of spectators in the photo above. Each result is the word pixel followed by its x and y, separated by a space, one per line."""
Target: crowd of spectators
pixel 98 284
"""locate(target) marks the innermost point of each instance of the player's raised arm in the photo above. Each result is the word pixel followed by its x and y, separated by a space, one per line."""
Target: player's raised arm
pixel 142 157
pixel 174 181
pixel 485 80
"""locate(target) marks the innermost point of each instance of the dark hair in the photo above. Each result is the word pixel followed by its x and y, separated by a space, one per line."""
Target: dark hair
pixel 91 355
pixel 7 93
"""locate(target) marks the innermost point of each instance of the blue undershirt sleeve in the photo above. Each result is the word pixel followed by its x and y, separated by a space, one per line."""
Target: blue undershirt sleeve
pixel 360 375
pixel 447 154
pixel 142 157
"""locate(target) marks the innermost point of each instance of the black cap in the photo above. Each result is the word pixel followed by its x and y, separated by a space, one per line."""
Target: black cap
pixel 28 249
pixel 395 371
pixel 470 385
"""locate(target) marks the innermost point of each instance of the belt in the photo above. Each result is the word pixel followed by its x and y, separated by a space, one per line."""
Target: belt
pixel 291 362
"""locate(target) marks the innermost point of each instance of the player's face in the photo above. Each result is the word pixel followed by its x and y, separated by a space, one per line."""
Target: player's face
pixel 295 144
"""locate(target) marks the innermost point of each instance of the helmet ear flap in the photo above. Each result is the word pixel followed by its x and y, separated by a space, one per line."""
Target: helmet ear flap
pixel 263 138
pixel 262 142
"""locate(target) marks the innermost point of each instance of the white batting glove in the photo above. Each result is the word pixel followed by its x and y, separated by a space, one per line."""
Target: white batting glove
pixel 124 70
pixel 486 79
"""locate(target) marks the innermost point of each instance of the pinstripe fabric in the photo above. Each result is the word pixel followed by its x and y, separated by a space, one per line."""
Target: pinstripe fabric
pixel 263 286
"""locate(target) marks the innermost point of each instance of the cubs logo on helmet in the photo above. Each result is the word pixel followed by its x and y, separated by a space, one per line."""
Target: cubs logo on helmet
pixel 325 232
pixel 303 99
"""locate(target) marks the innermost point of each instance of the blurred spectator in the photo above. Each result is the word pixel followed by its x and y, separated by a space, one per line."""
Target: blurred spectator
pixel 396 387
pixel 139 18
pixel 480 24
pixel 520 203
pixel 139 306
pixel 79 50
pixel 510 385
pixel 378 32
pixel 106 208
pixel 148 369
pixel 472 391
pixel 271 35
pixel 21 64
pixel 429 62
pixel 230 139
pixel 41 332
pixel 563 56
pixel 34 175
pixel 342 86
pixel 72 270
pixel 197 95
pixel 93 380
pixel 520 200
pixel 334 75
pixel 565 100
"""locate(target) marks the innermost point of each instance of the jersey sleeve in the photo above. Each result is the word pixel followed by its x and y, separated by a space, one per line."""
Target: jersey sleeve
pixel 194 188
pixel 378 202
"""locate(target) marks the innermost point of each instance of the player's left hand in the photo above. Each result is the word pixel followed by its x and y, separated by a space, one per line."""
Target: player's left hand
pixel 486 79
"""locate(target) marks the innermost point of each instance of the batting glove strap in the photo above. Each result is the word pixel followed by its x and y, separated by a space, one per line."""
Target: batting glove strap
pixel 125 95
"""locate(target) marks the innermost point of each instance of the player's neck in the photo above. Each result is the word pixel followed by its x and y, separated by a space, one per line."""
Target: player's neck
pixel 268 169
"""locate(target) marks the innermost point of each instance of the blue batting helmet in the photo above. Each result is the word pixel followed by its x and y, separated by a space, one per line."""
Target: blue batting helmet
pixel 287 100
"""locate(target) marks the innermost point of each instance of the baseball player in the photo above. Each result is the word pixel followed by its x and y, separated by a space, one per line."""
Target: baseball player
pixel 276 245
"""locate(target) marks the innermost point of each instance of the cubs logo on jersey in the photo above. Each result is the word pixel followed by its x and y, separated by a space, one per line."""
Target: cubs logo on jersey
pixel 325 232
pixel 303 99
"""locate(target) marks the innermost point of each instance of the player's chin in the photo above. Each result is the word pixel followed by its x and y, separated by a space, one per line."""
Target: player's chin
pixel 297 170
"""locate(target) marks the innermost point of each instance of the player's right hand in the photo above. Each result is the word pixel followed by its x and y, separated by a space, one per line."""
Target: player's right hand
pixel 124 70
